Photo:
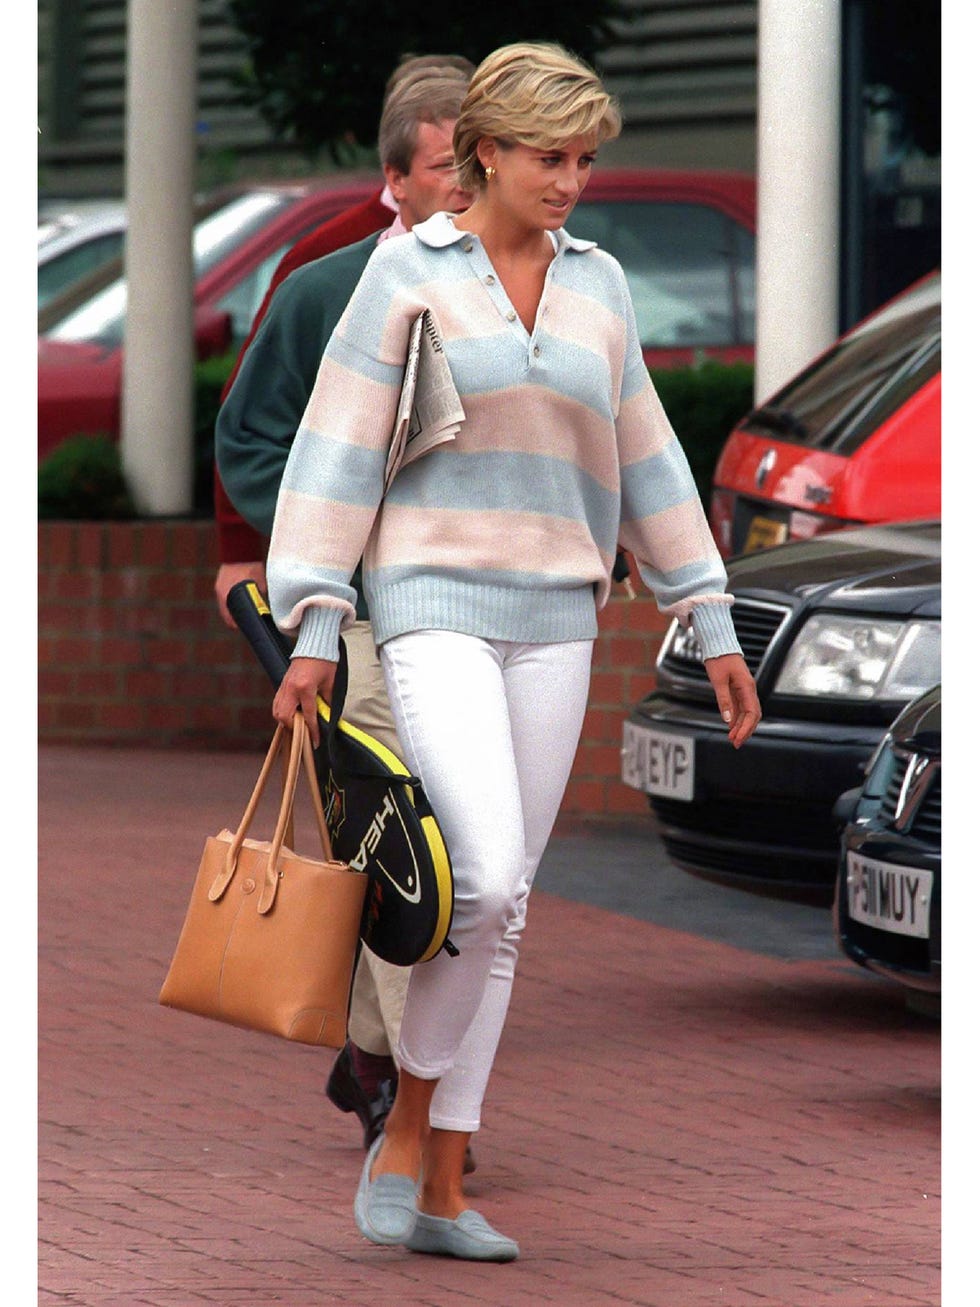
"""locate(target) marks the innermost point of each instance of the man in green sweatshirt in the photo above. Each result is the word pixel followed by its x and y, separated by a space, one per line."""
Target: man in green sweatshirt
pixel 254 432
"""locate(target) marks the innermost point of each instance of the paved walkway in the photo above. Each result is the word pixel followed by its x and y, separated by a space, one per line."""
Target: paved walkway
pixel 672 1121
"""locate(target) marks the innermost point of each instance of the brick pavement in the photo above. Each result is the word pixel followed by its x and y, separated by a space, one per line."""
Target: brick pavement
pixel 672 1122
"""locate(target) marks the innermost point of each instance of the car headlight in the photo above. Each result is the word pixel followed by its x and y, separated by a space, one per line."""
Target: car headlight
pixel 862 658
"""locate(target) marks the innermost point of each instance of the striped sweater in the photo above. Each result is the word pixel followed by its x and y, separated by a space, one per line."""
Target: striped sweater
pixel 510 531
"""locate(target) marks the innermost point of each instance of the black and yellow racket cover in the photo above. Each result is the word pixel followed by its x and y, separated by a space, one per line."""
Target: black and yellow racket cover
pixel 377 813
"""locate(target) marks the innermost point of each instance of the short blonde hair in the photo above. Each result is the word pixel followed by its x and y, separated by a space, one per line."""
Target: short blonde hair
pixel 531 93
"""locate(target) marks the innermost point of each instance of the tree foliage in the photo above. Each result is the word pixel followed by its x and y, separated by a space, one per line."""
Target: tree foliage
pixel 317 68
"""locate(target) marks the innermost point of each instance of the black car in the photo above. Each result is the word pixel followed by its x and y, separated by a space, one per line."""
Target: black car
pixel 840 632
pixel 887 902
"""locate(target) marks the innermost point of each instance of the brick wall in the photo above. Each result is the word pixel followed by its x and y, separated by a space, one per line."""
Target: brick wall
pixel 131 651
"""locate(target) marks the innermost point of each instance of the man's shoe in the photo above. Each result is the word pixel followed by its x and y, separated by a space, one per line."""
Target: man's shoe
pixel 384 1208
pixel 470 1237
pixel 346 1092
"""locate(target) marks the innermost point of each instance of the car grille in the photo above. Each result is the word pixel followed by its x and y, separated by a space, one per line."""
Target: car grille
pixel 926 820
pixel 756 625
pixel 788 846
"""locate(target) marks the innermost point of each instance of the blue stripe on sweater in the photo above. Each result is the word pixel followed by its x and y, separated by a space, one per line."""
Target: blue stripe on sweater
pixel 681 582
pixel 334 469
pixel 505 481
pixel 661 481
pixel 363 364
pixel 484 364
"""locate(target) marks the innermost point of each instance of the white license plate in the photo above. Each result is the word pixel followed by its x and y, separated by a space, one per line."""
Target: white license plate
pixel 889 897
pixel 658 762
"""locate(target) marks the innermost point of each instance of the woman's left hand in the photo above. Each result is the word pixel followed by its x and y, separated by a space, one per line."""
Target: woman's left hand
pixel 734 689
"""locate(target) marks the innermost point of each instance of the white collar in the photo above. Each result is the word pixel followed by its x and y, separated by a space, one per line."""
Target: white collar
pixel 440 231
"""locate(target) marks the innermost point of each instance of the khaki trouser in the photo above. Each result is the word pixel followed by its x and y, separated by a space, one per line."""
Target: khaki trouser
pixel 378 994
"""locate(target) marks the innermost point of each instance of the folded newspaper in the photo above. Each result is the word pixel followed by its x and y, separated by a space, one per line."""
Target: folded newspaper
pixel 429 411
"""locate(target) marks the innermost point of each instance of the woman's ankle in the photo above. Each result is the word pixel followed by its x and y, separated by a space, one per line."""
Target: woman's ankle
pixel 441 1201
pixel 400 1154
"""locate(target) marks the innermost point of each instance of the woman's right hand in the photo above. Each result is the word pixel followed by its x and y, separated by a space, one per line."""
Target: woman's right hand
pixel 305 678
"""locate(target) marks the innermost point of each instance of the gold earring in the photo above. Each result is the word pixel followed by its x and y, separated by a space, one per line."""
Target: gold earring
pixel 490 171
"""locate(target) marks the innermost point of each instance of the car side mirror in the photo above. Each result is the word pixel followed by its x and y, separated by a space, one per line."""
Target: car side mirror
pixel 212 333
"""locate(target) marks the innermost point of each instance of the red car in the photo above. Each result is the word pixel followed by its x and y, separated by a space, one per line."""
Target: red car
pixel 853 439
pixel 236 250
pixel 686 242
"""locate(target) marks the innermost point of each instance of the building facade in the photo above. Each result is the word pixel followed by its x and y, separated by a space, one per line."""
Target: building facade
pixel 684 73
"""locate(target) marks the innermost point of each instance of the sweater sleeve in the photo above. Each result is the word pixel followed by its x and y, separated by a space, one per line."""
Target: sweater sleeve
pixel 333 480
pixel 662 520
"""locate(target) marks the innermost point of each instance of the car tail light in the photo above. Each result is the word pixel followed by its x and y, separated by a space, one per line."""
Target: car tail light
pixel 721 519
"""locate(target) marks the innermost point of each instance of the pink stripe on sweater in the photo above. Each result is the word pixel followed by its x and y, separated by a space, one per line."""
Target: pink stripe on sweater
pixel 309 531
pixel 682 534
pixel 582 321
pixel 643 428
pixel 575 433
pixel 535 543
pixel 366 404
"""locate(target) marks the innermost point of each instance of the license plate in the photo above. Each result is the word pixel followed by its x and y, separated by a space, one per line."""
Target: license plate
pixel 889 897
pixel 658 762
pixel 763 533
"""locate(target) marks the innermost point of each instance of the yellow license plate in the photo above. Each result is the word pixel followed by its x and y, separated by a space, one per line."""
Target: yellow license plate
pixel 764 533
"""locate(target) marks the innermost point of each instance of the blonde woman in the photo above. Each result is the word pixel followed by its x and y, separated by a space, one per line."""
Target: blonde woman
pixel 484 567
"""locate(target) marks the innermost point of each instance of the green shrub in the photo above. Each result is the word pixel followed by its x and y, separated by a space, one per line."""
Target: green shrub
pixel 703 404
pixel 82 478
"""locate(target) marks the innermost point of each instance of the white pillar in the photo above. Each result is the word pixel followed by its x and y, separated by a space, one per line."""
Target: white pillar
pixel 798 182
pixel 157 395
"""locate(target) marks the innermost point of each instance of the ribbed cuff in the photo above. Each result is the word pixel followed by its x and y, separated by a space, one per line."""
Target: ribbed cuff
pixel 319 633
pixel 713 626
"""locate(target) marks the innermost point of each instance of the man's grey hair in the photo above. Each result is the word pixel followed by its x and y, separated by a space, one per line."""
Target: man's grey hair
pixel 422 96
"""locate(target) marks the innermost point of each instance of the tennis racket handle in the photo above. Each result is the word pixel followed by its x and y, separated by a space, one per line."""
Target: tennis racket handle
pixel 250 609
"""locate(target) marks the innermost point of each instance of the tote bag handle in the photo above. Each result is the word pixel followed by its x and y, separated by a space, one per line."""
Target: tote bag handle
pixel 300 748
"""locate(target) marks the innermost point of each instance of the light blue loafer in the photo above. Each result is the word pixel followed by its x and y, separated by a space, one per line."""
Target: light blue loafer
pixel 384 1208
pixel 469 1237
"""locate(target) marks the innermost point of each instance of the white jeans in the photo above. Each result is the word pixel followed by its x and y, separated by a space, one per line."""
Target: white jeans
pixel 491 728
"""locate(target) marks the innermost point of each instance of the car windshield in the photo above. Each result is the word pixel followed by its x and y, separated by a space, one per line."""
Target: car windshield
pixel 103 317
pixel 845 395
pixel 690 268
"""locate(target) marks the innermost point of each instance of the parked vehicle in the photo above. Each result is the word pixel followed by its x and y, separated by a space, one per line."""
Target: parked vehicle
pixel 686 242
pixel 854 438
pixel 840 633
pixel 887 903
pixel 236 250
pixel 75 243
